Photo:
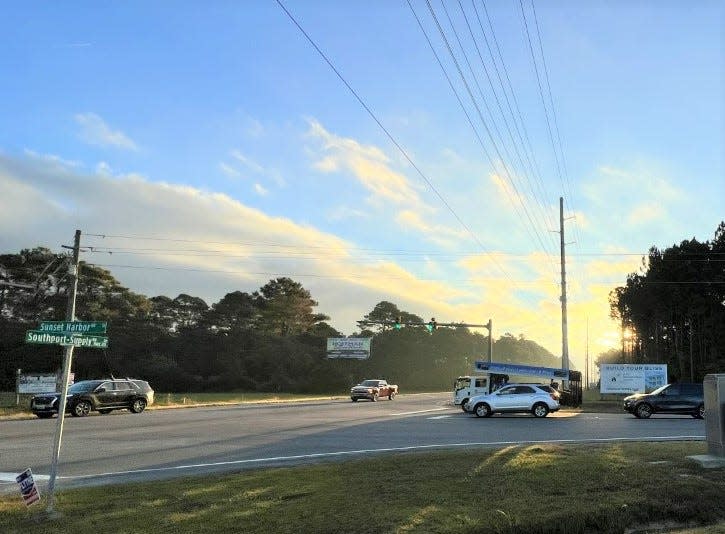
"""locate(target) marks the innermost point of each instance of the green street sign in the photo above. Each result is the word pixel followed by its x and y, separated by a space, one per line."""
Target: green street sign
pixel 49 338
pixel 91 342
pixel 74 327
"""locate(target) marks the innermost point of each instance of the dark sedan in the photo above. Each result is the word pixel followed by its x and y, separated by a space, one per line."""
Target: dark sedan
pixel 678 398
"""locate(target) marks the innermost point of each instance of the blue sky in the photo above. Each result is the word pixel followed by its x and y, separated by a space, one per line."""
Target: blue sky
pixel 216 132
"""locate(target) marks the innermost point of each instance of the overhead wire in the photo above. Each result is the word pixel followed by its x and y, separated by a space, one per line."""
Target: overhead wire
pixel 388 134
pixel 517 117
pixel 523 169
pixel 481 118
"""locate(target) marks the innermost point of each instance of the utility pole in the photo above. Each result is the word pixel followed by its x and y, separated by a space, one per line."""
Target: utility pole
pixel 489 325
pixel 586 368
pixel 67 359
pixel 564 326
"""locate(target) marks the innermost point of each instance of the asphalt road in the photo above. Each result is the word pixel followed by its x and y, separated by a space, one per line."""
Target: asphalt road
pixel 173 442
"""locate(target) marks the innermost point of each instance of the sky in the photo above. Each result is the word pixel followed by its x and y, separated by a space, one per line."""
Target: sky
pixel 370 150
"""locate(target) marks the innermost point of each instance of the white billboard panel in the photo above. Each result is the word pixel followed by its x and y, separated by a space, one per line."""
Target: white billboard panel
pixel 631 378
pixel 357 348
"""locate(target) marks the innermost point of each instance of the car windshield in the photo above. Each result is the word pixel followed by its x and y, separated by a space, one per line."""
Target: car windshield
pixel 84 386
pixel 660 389
pixel 370 383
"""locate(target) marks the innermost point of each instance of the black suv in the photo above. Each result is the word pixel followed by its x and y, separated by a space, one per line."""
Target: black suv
pixel 681 398
pixel 100 395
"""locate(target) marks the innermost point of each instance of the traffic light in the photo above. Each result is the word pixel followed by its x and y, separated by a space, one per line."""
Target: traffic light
pixel 398 323
pixel 432 325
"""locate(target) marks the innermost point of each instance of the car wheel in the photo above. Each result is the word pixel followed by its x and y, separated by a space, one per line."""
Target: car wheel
pixel 463 405
pixel 482 410
pixel 643 411
pixel 392 395
pixel 700 413
pixel 375 397
pixel 81 409
pixel 138 406
pixel 540 410
pixel 44 415
pixel 354 399
pixel 104 412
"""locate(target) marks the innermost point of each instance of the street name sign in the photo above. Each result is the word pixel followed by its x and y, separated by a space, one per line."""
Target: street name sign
pixel 74 327
pixel 66 339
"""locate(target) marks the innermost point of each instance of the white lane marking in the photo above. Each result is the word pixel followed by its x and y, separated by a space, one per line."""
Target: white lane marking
pixel 420 411
pixel 373 451
pixel 439 417
pixel 10 477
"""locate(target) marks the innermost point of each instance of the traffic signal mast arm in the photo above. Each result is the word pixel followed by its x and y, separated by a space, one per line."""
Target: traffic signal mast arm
pixel 401 323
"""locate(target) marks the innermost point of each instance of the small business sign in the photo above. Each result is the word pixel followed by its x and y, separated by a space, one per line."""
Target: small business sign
pixel 631 378
pixel 28 488
pixel 40 383
pixel 356 348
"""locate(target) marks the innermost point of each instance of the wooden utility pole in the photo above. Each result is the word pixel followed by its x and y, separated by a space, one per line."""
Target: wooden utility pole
pixel 67 359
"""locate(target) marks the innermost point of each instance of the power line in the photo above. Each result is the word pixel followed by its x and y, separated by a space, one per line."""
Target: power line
pixel 478 137
pixel 385 130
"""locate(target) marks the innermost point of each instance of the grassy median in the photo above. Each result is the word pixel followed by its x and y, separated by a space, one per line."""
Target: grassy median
pixel 528 488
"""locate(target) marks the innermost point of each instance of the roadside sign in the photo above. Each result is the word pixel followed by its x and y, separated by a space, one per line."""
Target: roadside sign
pixel 76 340
pixel 28 489
pixel 357 348
pixel 74 327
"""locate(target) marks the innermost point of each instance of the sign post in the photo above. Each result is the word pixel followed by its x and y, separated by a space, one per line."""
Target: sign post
pixel 68 356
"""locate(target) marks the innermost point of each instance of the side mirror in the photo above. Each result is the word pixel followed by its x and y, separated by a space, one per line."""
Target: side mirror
pixel 100 390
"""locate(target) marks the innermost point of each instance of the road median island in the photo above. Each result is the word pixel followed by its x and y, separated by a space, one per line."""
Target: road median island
pixel 624 487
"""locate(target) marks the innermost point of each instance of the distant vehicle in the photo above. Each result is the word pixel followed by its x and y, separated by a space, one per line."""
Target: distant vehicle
pixel 515 398
pixel 373 390
pixel 99 395
pixel 494 375
pixel 677 398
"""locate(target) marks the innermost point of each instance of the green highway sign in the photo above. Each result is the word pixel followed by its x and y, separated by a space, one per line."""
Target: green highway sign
pixel 77 340
pixel 73 327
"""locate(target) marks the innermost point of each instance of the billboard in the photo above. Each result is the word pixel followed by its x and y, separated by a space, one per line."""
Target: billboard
pixel 631 378
pixel 357 348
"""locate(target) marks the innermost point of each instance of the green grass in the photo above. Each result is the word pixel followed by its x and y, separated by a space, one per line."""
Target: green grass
pixel 539 488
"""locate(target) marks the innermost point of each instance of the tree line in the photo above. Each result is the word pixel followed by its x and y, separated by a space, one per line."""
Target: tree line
pixel 673 310
pixel 269 340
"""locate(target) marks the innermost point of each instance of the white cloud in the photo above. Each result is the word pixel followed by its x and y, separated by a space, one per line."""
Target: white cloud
pixel 260 190
pixel 230 171
pixel 43 203
pixel 95 131
pixel 247 162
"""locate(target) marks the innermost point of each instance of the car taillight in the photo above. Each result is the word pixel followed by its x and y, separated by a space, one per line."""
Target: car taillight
pixel 553 396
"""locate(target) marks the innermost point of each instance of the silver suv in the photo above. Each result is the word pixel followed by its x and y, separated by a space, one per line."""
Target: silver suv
pixel 521 398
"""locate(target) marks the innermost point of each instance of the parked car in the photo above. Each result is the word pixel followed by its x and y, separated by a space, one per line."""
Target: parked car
pixel 513 398
pixel 678 398
pixel 373 390
pixel 99 395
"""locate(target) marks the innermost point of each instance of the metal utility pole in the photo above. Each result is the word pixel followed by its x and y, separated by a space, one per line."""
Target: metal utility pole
pixel 564 326
pixel 586 368
pixel 489 325
pixel 67 359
